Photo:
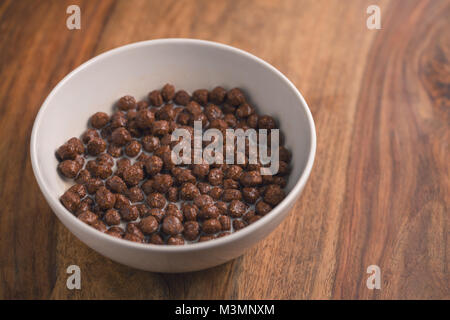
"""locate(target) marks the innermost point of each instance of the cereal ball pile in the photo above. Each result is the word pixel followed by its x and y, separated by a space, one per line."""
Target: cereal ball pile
pixel 127 186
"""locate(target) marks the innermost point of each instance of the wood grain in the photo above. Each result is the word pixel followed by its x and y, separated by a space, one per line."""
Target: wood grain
pixel 379 192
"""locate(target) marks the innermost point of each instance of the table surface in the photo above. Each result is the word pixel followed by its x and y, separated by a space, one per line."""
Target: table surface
pixel 379 190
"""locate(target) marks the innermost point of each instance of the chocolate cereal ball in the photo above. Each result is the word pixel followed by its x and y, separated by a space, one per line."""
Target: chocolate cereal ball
pixel 175 240
pixel 237 208
pixel 69 168
pixel 148 225
pixel 156 200
pixel 155 98
pixel 129 212
pixel 120 136
pixel 112 217
pixel 132 175
pixel 273 194
pixel 211 226
pixel 145 119
pixel 70 200
pixel 133 149
pixel 218 95
pixel 99 120
pixel 104 198
pixel 235 97
pixel 182 98
pixel 200 96
pixel 153 165
pixel 126 103
pixel 96 146
pixel 172 226
pixel 168 92
pixel 191 230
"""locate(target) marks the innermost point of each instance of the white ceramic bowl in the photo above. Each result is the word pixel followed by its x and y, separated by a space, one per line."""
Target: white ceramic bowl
pixel 189 64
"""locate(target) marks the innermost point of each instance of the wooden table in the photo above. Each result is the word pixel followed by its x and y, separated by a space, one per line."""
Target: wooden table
pixel 379 192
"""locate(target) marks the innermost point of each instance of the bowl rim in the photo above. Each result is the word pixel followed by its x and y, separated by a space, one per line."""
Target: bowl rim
pixel 235 236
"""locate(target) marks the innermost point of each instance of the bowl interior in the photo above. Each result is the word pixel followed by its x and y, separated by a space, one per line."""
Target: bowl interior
pixel 138 68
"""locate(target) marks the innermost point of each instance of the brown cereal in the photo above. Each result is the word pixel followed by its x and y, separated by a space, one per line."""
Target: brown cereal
pixel 99 120
pixel 135 194
pixel 230 184
pixel 149 225
pixel 168 92
pixel 182 98
pixel 216 193
pixel 214 197
pixel 155 98
pixel 133 237
pixel 78 189
pixel 262 208
pixel 237 208
pixel 225 223
pixel 206 238
pixel 189 191
pixel 150 143
pixel 211 226
pixel 190 211
pixel 104 198
pixel 129 212
pixel 250 194
pixel 96 146
pixel 231 194
pixel 158 213
pixel 203 200
pixel 116 184
pixel 115 232
pixel 69 168
pixel 156 239
pixel 126 103
pixel 112 217
pixel 145 119
pixel 132 175
pixel 93 185
pixel 209 211
pixel 114 150
pixel 88 217
pixel 235 97
pixel 162 182
pixel 238 225
pixel 191 230
pixel 204 187
pixel 133 228
pixel 218 95
pixel 172 226
pixel 133 149
pixel 244 110
pixel 200 96
pixel 215 177
pixel 120 136
pixel 175 240
pixel 251 178
pixel 88 135
pixel 156 200
pixel 172 194
pixel 273 194
pixel 70 200
pixel 266 122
